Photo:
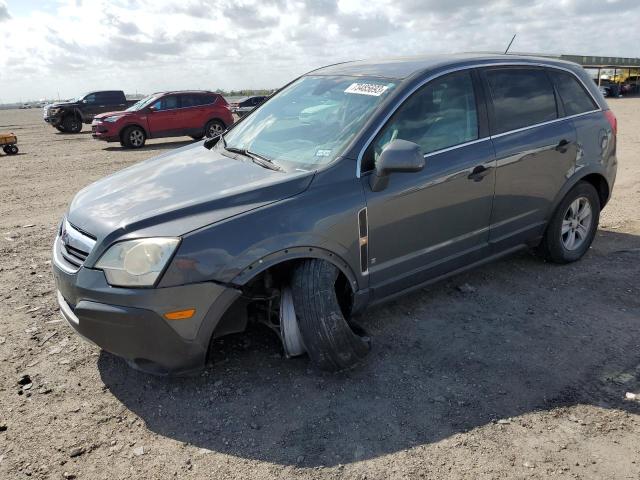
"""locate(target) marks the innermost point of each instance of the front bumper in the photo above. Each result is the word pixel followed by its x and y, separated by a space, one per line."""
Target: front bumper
pixel 129 322
pixel 105 131
pixel 53 120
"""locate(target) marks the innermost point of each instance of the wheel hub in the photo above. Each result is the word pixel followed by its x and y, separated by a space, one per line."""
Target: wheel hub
pixel 576 224
pixel 289 330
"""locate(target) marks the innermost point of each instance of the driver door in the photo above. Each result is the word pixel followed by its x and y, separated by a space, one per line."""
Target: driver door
pixel 425 224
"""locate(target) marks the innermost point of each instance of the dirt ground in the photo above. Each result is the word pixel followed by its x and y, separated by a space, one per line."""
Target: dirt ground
pixel 521 374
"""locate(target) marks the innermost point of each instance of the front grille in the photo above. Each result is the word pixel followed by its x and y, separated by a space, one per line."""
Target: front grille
pixel 75 245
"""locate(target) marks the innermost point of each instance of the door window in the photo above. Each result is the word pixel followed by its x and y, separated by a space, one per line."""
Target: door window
pixel 442 114
pixel 90 98
pixel 166 103
pixel 574 97
pixel 521 97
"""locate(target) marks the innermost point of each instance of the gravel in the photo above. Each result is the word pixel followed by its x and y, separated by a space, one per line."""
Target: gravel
pixel 476 377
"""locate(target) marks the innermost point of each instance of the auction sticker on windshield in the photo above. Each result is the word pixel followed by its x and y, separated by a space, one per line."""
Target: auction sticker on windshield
pixel 366 89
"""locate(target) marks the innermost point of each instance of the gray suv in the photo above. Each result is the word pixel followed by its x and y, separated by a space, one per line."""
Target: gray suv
pixel 355 183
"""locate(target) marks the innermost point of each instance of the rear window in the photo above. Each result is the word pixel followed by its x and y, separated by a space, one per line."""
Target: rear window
pixel 193 100
pixel 574 97
pixel 521 97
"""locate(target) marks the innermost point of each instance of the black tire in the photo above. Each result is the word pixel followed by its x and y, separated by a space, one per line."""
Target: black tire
pixel 213 128
pixel 71 124
pixel 11 149
pixel 556 243
pixel 60 128
pixel 133 137
pixel 331 342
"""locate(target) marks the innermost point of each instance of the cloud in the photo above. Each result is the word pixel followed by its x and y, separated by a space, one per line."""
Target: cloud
pixel 152 45
pixel 249 16
pixel 4 12
pixel 122 27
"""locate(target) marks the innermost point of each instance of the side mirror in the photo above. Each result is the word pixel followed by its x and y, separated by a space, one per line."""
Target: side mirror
pixel 151 109
pixel 399 156
pixel 84 100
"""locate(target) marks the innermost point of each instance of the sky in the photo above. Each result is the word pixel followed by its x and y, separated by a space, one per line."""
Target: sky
pixel 63 48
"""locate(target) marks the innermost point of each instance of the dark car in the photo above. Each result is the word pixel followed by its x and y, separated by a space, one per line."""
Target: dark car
pixel 68 117
pixel 165 114
pixel 247 104
pixel 355 183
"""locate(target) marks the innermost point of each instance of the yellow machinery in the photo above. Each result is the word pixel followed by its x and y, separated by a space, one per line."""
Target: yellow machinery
pixel 8 143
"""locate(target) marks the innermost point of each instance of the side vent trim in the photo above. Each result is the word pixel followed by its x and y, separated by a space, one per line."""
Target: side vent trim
pixel 363 240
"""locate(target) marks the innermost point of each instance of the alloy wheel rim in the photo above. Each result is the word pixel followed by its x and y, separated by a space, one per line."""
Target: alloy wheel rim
pixel 576 224
pixel 136 138
pixel 215 129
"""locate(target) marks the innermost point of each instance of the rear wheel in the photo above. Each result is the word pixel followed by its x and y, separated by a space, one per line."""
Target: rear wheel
pixel 573 225
pixel 134 137
pixel 71 124
pixel 10 149
pixel 214 128
pixel 321 310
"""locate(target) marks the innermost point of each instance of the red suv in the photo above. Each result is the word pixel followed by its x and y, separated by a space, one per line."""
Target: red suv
pixel 168 114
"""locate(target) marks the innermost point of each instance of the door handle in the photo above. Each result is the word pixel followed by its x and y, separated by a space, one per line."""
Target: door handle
pixel 478 173
pixel 562 146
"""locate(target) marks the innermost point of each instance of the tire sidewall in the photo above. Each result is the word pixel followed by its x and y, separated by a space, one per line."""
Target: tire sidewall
pixel 126 140
pixel 207 127
pixel 556 249
pixel 69 126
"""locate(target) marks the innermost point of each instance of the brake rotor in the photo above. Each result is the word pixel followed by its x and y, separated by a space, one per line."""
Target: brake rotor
pixel 289 330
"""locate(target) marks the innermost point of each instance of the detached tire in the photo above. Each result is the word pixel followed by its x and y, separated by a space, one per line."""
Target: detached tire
pixel 71 124
pixel 332 344
pixel 573 226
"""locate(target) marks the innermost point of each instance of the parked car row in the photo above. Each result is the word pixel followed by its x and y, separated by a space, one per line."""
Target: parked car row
pixel 113 118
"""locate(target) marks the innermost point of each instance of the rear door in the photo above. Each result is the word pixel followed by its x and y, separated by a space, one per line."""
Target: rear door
pixel 163 119
pixel 535 150
pixel 427 223
pixel 193 113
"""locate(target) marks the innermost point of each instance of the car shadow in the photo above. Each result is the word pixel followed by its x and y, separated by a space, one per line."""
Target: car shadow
pixel 516 336
pixel 150 147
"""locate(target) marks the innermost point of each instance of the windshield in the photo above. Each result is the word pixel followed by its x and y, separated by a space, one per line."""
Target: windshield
pixel 310 122
pixel 140 104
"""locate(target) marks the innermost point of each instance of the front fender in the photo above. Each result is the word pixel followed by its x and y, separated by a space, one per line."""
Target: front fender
pixel 321 222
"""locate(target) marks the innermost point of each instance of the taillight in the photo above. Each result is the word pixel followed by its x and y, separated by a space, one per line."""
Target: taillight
pixel 613 121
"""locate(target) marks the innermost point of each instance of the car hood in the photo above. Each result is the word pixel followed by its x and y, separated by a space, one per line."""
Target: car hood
pixel 100 116
pixel 62 104
pixel 179 192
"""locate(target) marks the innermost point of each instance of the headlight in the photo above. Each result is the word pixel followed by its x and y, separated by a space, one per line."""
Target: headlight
pixel 137 263
pixel 53 111
pixel 112 119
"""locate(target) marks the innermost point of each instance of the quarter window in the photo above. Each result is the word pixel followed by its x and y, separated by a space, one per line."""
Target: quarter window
pixel 440 115
pixel 574 97
pixel 521 98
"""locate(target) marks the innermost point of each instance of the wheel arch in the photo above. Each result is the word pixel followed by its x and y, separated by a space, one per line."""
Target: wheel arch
pixel 601 185
pixel 292 256
pixel 217 119
pixel 595 178
pixel 133 124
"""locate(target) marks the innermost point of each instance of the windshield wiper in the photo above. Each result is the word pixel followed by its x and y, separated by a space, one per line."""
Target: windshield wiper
pixel 255 158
